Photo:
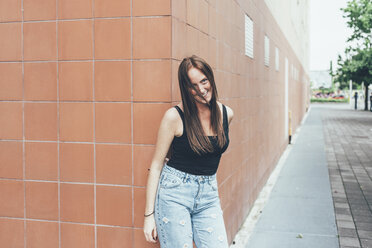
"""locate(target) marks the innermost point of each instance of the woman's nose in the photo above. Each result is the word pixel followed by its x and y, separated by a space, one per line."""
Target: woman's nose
pixel 201 89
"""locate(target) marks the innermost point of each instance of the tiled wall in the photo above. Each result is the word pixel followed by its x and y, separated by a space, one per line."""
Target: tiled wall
pixel 83 87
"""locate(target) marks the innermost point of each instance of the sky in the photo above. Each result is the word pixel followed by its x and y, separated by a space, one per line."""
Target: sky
pixel 328 33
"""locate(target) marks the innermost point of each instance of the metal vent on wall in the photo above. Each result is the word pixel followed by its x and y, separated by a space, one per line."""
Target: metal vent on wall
pixel 248 36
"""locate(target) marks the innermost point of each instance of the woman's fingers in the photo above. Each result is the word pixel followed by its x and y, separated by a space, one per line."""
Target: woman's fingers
pixel 149 237
pixel 155 234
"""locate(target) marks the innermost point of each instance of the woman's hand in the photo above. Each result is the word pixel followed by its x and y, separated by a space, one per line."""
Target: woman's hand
pixel 149 229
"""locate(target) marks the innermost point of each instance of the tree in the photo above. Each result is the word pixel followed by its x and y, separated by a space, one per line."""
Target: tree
pixel 357 64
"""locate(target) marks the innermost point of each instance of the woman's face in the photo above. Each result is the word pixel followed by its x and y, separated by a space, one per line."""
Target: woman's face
pixel 200 81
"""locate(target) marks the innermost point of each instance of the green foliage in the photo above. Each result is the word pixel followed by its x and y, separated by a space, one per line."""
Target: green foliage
pixel 357 61
pixel 359 14
pixel 321 100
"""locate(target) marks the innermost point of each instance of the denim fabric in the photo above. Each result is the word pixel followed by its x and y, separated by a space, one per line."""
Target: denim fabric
pixel 187 209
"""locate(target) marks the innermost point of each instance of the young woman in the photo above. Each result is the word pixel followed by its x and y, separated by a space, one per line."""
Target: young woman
pixel 182 202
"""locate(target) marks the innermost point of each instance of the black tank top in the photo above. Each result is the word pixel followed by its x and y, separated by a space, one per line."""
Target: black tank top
pixel 183 158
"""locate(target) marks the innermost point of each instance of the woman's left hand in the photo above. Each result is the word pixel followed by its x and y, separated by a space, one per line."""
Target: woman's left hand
pixel 149 229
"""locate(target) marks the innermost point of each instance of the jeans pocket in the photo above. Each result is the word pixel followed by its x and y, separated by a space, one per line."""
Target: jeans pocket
pixel 214 185
pixel 169 181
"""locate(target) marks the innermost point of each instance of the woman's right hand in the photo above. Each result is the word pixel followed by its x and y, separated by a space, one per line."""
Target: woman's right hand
pixel 149 229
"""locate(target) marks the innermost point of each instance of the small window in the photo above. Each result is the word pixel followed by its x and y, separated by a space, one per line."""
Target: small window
pixel 248 36
pixel 267 51
pixel 276 58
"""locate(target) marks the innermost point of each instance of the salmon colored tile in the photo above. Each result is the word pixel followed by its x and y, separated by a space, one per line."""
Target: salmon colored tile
pixel 114 237
pixel 76 162
pixel 40 81
pixel 75 81
pixel 151 8
pixel 114 205
pixel 140 241
pixel 212 52
pixel 41 160
pixel 212 21
pixel 49 239
pixel 11 41
pixel 112 39
pixel 113 122
pixel 75 40
pixel 114 164
pixel 142 158
pixel 203 46
pixel 178 39
pixel 147 118
pixel 77 236
pixel 10 10
pixel 11 157
pixel 41 121
pixel 13 192
pixel 10 120
pixel 139 206
pixel 42 200
pixel 71 9
pixel 77 203
pixel 192 10
pixel 176 94
pixel 76 121
pixel 154 86
pixel 179 9
pixel 39 10
pixel 203 16
pixel 40 41
pixel 111 8
pixel 11 233
pixel 112 80
pixel 11 81
pixel 192 40
pixel 152 37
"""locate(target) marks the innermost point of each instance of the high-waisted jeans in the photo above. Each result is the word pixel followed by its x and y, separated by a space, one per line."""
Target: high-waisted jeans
pixel 187 209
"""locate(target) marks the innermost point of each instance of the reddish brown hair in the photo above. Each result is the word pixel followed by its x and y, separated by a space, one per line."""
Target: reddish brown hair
pixel 199 142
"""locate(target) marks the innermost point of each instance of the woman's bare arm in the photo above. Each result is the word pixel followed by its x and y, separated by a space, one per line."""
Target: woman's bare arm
pixel 165 136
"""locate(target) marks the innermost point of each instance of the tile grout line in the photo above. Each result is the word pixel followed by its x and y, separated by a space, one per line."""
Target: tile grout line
pixel 23 131
pixel 88 60
pixel 94 129
pixel 69 222
pixel 71 182
pixel 86 19
pixel 58 135
pixel 132 114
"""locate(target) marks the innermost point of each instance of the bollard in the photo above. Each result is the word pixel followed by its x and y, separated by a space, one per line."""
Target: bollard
pixel 290 126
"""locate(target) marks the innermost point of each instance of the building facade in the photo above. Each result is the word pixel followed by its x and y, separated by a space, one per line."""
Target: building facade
pixel 84 85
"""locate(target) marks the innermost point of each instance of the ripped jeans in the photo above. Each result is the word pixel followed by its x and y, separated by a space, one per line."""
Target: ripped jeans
pixel 187 209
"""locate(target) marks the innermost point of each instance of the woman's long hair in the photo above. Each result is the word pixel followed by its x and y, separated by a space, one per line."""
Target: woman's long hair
pixel 199 142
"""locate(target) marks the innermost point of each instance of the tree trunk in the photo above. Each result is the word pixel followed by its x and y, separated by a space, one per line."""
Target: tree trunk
pixel 367 97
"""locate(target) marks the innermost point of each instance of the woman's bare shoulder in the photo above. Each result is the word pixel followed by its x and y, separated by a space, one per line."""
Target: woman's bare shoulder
pixel 171 115
pixel 230 112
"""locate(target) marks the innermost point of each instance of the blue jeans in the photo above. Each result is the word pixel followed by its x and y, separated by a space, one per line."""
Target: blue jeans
pixel 187 209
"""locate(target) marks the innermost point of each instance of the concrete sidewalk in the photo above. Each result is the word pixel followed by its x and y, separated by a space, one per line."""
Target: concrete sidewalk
pixel 300 211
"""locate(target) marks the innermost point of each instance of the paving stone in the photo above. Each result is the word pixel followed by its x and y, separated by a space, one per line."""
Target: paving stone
pixel 348 232
pixel 344 130
pixel 366 243
pixel 364 226
pixel 345 224
pixel 344 217
pixel 342 205
pixel 364 234
pixel 349 241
